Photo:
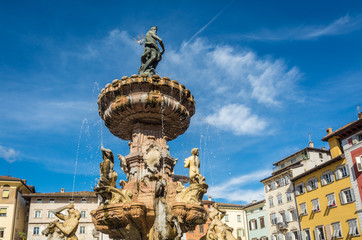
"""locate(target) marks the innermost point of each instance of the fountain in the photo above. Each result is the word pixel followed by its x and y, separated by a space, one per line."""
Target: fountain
pixel 148 111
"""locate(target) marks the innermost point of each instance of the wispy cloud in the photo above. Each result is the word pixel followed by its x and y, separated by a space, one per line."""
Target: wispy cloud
pixel 237 119
pixel 340 26
pixel 234 189
pixel 207 24
pixel 9 154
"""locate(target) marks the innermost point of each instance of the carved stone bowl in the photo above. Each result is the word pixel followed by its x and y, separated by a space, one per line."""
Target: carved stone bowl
pixel 150 100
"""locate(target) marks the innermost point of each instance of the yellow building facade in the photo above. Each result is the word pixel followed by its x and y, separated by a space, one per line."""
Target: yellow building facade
pixel 325 201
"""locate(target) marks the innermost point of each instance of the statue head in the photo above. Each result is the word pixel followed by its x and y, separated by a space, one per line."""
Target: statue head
pixel 195 151
pixel 154 29
pixel 107 154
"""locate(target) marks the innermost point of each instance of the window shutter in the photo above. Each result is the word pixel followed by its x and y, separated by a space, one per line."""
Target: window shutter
pixel 256 224
pixel 338 173
pixel 332 177
pixel 352 195
pixel 309 187
pixel 250 225
pixel 316 235
pixel 341 197
pixel 347 170
pixel 304 235
pixel 323 180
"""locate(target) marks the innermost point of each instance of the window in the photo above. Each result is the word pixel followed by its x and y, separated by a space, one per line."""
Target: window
pixel 36 231
pixel 331 200
pixel 320 155
pixel 280 217
pixel 238 217
pixel 319 233
pixel 342 172
pixel 253 224
pixel 271 202
pixel 273 185
pixel 293 160
pixel 312 184
pixel 294 214
pixel 316 207
pixel 84 200
pixel 303 209
pixel 262 222
pixel 296 234
pixel 50 214
pixel 71 200
pixel 226 217
pixel 280 199
pixel 239 232
pixel 51 200
pixel 2 232
pixel 38 200
pixel 3 212
pixel 267 188
pixel 81 229
pixel 82 214
pixel 306 234
pixel 288 236
pixel 201 228
pixel 346 196
pixel 353 227
pixel 337 232
pixel 287 179
pixel 282 182
pixel 37 214
pixel 289 196
pixel 359 163
pixel 273 219
pixel 327 178
pixel 5 194
pixel 299 189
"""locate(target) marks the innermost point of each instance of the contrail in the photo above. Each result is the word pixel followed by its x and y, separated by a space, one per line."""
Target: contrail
pixel 207 24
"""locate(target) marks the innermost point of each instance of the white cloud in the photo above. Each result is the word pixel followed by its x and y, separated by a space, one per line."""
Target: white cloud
pixel 238 119
pixel 234 189
pixel 222 72
pixel 340 26
pixel 9 154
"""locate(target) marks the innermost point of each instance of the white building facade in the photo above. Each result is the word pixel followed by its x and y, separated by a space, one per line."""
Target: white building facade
pixel 41 213
pixel 280 200
pixel 235 217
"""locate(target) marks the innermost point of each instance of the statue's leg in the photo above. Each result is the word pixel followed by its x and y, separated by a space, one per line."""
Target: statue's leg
pixel 150 60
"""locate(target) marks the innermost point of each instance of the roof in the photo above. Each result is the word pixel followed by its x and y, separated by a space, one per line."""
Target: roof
pixel 319 167
pixel 300 151
pixel 254 203
pixel 277 172
pixel 346 130
pixel 62 194
pixel 229 205
pixel 31 188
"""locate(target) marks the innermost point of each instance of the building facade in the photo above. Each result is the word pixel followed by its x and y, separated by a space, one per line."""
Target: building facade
pixel 280 200
pixel 326 202
pixel 13 207
pixel 235 217
pixel 257 221
pixel 41 213
pixel 350 138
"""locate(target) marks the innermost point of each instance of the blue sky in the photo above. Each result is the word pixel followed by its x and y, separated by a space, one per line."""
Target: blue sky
pixel 264 74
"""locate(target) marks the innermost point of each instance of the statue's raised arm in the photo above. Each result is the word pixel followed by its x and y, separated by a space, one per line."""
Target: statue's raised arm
pixel 151 55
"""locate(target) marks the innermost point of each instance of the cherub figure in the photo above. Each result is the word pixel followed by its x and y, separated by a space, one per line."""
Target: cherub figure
pixel 123 164
pixel 68 228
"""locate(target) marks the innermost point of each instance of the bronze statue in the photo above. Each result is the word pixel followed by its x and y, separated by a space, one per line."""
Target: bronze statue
pixel 151 55
pixel 68 228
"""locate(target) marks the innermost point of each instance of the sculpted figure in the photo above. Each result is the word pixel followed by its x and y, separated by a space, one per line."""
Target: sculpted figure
pixel 69 227
pixel 123 164
pixel 217 229
pixel 193 163
pixel 151 55
pixel 166 226
pixel 108 176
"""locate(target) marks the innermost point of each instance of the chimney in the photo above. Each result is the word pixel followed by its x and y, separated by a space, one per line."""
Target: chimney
pixel 24 180
pixel 254 201
pixel 329 130
pixel 311 144
pixel 209 198
pixel 323 148
pixel 360 115
pixel 62 190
